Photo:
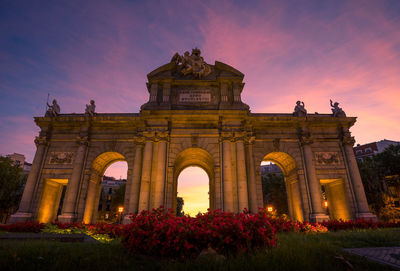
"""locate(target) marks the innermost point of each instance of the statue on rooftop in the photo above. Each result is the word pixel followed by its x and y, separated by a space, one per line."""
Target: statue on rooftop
pixel 90 109
pixel 52 110
pixel 299 110
pixel 192 64
pixel 336 110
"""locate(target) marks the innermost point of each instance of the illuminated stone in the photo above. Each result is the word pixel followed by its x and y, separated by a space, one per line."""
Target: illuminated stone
pixel 194 119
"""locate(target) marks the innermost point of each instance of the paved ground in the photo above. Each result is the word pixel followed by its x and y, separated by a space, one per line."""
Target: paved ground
pixel 383 255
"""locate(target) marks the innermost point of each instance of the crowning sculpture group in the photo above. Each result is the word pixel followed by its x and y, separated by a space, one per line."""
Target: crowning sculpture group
pixel 194 117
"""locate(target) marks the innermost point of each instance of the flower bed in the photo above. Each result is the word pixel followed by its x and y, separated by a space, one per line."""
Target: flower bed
pixel 160 233
pixel 336 225
pixel 28 226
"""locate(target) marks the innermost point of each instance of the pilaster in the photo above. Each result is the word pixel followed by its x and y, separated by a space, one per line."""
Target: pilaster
pixel 70 200
pixel 314 185
pixel 359 193
pixel 24 213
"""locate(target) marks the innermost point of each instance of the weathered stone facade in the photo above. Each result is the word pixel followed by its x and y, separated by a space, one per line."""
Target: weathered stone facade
pixel 193 119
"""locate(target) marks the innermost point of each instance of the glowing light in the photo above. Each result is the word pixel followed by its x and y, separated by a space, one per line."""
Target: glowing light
pixel 193 187
pixel 120 209
pixel 326 204
pixel 270 209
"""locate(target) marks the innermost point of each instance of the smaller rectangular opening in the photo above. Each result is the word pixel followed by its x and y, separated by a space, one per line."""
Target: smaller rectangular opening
pixel 50 200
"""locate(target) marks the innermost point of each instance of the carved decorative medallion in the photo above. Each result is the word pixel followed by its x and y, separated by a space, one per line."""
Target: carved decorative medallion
pixel 61 158
pixel 327 158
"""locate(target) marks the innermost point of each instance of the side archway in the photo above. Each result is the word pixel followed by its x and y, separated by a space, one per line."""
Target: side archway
pixel 289 169
pixel 195 157
pixel 99 166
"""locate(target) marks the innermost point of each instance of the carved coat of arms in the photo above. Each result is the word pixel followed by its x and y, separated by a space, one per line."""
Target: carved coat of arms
pixel 192 64
pixel 61 157
pixel 327 158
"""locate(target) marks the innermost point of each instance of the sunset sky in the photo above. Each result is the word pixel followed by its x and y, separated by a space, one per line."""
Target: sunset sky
pixel 347 51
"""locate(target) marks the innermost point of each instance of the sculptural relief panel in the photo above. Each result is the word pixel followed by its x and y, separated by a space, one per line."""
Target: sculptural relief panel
pixel 61 158
pixel 327 158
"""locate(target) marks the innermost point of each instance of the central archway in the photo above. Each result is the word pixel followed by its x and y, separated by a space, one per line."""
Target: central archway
pixel 193 189
pixel 197 157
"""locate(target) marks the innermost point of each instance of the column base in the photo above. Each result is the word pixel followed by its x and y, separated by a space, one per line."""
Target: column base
pixel 127 219
pixel 20 217
pixel 316 218
pixel 66 218
pixel 367 216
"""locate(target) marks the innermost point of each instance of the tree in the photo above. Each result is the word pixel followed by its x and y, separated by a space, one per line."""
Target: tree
pixel 179 206
pixel 274 192
pixel 12 181
pixel 374 171
pixel 118 197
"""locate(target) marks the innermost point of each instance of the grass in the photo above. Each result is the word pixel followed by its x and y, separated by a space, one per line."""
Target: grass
pixel 294 252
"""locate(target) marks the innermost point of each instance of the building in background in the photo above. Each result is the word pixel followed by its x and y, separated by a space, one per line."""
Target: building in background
pixel 270 168
pixel 370 149
pixel 391 182
pixel 109 186
pixel 19 159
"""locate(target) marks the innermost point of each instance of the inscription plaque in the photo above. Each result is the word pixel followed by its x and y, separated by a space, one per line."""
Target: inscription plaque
pixel 195 96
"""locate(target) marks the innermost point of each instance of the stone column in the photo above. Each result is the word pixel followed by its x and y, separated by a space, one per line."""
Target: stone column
pixel 24 213
pixel 359 193
pixel 251 169
pixel 236 92
pixel 153 92
pixel 227 174
pixel 135 183
pixel 144 195
pixel 317 213
pixel 97 198
pixel 224 96
pixel 160 179
pixel 68 210
pixel 241 176
pixel 90 201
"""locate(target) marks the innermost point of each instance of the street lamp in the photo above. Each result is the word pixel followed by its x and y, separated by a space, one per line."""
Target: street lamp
pixel 120 211
pixel 270 209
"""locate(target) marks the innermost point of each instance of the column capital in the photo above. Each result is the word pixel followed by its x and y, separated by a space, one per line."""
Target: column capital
pixel 225 136
pixel 156 136
pixel 348 140
pixel 82 140
pixel 305 137
pixel 306 140
pixel 41 140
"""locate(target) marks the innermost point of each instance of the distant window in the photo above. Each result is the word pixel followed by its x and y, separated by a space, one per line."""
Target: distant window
pixel 368 150
pixel 108 207
pixel 360 159
pixel 109 198
pixel 358 152
pixel 110 191
pixel 100 207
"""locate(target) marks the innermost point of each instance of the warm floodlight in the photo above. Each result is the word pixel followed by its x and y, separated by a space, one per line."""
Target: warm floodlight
pixel 326 204
pixel 120 209
pixel 269 209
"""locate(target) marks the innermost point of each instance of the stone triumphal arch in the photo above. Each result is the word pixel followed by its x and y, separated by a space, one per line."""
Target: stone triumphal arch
pixel 194 117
